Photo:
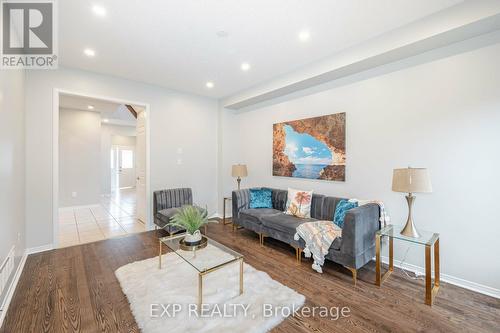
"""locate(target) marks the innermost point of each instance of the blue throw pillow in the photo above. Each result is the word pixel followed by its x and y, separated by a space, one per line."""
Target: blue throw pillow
pixel 342 207
pixel 261 198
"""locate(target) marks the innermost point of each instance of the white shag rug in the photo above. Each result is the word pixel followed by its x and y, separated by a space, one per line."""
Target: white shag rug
pixel 165 300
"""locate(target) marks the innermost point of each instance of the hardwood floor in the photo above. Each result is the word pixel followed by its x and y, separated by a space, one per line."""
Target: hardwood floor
pixel 75 290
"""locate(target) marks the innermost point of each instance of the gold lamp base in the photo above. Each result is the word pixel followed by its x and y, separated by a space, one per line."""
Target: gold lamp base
pixel 409 229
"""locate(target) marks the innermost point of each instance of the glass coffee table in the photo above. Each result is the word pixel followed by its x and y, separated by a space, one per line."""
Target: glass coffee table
pixel 428 239
pixel 222 257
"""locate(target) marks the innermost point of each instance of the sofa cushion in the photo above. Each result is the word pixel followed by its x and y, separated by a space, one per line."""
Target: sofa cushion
pixel 261 198
pixel 166 214
pixel 299 203
pixel 283 222
pixel 342 207
pixel 256 214
pixel 336 244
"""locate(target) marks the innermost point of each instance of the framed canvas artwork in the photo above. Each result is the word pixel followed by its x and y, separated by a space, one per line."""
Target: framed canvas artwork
pixel 312 148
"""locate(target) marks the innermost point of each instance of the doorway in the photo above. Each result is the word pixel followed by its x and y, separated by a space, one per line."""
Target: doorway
pixel 123 174
pixel 89 207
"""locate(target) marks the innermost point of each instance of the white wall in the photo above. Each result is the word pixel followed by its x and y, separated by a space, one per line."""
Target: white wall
pixel 442 114
pixel 79 157
pixel 177 120
pixel 12 163
pixel 125 135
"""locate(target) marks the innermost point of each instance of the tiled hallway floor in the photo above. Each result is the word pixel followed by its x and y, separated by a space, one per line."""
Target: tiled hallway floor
pixel 115 216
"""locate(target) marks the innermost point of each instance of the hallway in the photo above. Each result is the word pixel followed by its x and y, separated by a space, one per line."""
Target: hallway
pixel 114 216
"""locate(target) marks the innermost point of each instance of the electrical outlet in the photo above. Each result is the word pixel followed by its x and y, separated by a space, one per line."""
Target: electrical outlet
pixel 74 194
pixel 18 237
pixel 179 151
pixel 179 161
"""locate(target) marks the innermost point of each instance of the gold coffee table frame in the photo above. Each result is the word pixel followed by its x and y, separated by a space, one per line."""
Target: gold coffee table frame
pixel 172 242
pixel 428 239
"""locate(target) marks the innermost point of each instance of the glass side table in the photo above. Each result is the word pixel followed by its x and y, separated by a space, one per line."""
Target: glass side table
pixel 428 239
pixel 224 210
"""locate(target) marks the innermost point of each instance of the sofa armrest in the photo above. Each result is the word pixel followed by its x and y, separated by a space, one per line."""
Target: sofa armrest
pixel 360 225
pixel 240 200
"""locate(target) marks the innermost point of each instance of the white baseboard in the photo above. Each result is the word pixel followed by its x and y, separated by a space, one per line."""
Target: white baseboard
pixel 482 289
pixel 38 249
pixel 79 207
pixel 12 287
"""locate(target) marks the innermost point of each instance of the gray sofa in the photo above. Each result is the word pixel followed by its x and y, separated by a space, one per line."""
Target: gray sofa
pixel 167 203
pixel 353 250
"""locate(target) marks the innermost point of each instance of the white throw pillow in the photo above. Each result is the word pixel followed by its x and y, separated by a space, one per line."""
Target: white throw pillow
pixel 299 203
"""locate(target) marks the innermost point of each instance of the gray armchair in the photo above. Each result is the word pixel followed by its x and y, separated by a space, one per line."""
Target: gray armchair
pixel 166 203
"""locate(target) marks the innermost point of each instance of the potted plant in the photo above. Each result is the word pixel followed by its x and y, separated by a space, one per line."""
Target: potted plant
pixel 192 219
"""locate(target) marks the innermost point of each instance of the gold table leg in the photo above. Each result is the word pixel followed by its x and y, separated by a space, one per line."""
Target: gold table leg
pixel 241 276
pixel 379 278
pixel 224 212
pixel 431 289
pixel 159 256
pixel 200 291
pixel 377 260
pixel 437 278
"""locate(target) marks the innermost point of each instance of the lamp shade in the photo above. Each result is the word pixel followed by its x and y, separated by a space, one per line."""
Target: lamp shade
pixel 411 180
pixel 239 170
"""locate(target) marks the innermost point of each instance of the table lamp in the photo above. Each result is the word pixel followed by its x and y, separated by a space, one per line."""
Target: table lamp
pixel 411 180
pixel 239 170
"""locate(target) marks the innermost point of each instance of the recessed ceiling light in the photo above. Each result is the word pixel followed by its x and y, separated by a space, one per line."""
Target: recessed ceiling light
pixel 245 66
pixel 90 107
pixel 106 120
pixel 99 10
pixel 304 36
pixel 209 84
pixel 89 52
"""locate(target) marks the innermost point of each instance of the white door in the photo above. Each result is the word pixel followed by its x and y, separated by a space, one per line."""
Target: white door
pixel 123 170
pixel 141 166
pixel 114 169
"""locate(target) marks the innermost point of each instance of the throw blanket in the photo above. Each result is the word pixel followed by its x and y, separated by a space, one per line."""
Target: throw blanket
pixel 318 236
pixel 384 217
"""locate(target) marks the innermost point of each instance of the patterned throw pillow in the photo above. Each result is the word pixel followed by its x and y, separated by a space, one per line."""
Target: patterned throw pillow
pixel 342 207
pixel 299 203
pixel 261 198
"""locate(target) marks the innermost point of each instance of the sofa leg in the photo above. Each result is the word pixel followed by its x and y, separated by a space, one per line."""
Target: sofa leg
pixel 298 255
pixel 262 238
pixel 354 274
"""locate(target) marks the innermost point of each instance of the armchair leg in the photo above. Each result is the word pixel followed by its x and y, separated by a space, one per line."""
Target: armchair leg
pixel 354 274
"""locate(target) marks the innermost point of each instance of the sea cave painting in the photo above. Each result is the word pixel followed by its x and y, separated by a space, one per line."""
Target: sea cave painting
pixel 311 148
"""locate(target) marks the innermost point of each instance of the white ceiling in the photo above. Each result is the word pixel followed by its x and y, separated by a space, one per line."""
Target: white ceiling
pixel 174 43
pixel 113 113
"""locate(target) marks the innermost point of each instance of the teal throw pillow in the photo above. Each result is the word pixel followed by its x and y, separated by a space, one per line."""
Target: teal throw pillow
pixel 342 207
pixel 261 198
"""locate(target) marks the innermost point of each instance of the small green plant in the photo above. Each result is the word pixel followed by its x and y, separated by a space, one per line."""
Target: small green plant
pixel 190 218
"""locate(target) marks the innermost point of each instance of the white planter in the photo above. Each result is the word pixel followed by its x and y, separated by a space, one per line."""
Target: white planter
pixel 193 238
